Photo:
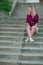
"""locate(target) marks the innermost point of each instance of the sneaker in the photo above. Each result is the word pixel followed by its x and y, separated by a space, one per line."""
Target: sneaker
pixel 27 40
pixel 31 40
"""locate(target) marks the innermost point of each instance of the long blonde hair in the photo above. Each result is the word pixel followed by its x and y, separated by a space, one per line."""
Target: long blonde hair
pixel 33 10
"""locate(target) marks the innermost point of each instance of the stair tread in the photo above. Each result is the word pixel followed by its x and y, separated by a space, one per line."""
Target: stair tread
pixel 22 54
pixel 6 41
pixel 23 25
pixel 17 32
pixel 22 61
pixel 16 27
pixel 15 36
pixel 23 48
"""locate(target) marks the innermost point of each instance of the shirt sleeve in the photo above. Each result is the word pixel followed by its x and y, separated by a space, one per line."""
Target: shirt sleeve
pixel 27 19
pixel 36 18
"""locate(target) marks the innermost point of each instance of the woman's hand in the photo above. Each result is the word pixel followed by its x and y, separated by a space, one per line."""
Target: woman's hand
pixel 27 25
pixel 36 25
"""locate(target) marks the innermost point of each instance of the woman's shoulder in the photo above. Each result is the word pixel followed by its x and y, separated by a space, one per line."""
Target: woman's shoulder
pixel 28 15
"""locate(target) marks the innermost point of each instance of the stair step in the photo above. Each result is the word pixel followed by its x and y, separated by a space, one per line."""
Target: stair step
pixel 20 41
pixel 38 39
pixel 22 48
pixel 21 35
pixel 16 29
pixel 9 50
pixel 7 42
pixel 22 61
pixel 23 45
pixel 31 62
pixel 19 20
pixel 2 36
pixel 9 57
pixel 9 60
pixel 13 25
pixel 31 58
pixel 15 34
pixel 22 57
pixel 7 63
pixel 31 51
pixel 21 54
pixel 16 21
pixel 6 32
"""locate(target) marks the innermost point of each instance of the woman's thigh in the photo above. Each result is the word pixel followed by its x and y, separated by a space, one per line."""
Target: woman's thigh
pixel 33 28
pixel 28 27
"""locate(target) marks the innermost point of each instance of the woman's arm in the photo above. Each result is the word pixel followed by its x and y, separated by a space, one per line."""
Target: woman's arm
pixel 36 24
pixel 27 24
pixel 36 19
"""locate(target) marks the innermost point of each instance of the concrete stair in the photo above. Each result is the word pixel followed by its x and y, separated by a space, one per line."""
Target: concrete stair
pixel 13 49
pixel 9 42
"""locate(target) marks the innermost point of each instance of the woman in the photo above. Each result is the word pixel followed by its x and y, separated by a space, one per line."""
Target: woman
pixel 31 23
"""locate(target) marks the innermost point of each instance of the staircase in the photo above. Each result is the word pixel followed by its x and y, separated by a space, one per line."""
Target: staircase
pixel 13 49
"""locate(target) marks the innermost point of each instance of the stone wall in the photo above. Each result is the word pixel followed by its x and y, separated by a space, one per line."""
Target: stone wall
pixel 29 1
pixel 23 1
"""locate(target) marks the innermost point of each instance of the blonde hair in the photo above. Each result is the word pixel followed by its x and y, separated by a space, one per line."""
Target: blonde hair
pixel 33 10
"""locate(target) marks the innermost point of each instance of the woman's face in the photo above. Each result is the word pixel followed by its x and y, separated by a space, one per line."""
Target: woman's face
pixel 30 9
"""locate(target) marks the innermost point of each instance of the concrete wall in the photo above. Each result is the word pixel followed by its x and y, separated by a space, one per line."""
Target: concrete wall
pixel 32 1
pixel 13 7
pixel 29 1
pixel 22 1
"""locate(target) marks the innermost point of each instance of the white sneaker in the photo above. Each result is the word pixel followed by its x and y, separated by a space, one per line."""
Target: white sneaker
pixel 27 40
pixel 31 40
pixel 36 29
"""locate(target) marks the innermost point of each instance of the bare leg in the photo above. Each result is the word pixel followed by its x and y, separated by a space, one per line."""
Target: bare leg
pixel 33 30
pixel 28 30
pixel 29 34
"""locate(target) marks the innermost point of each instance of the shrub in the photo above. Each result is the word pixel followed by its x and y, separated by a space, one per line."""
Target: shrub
pixel 5 5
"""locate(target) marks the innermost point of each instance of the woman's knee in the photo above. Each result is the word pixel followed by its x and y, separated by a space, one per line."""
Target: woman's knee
pixel 33 27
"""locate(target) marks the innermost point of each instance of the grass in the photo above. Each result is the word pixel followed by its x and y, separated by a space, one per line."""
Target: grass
pixel 5 6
